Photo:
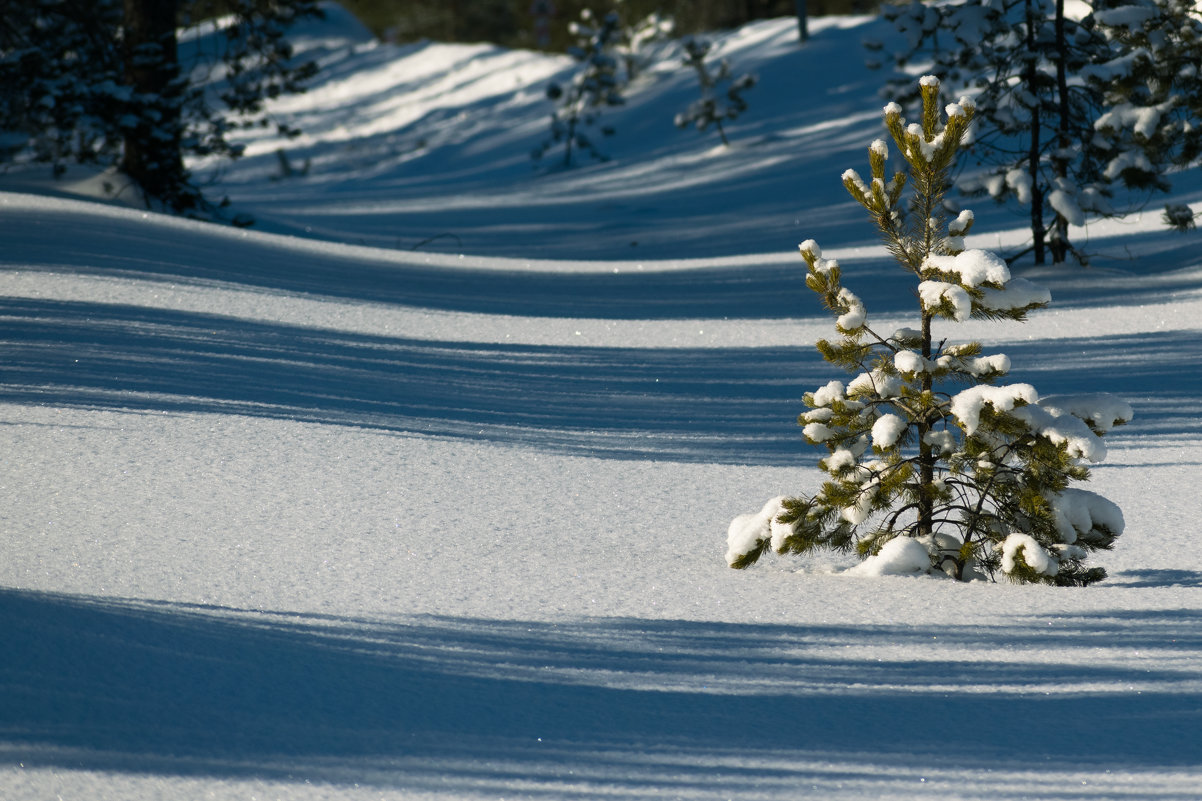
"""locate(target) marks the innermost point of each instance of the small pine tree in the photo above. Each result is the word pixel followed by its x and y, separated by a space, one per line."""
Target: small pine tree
pixel 924 443
pixel 715 105
pixel 641 43
pixel 1179 217
pixel 594 87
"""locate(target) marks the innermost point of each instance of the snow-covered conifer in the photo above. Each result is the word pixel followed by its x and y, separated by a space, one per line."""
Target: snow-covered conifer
pixel 1152 89
pixel 593 87
pixel 103 81
pixel 642 42
pixel 926 442
pixel 721 94
pixel 1071 107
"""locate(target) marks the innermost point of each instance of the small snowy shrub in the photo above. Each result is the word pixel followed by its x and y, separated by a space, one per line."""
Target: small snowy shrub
pixel 721 96
pixel 594 87
pixel 642 42
pixel 924 441
pixel 1179 217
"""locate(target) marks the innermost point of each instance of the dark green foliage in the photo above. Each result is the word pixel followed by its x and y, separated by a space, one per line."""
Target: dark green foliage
pixel 511 23
pixel 105 82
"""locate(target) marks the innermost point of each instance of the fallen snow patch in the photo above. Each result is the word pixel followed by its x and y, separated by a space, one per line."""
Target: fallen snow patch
pixel 900 556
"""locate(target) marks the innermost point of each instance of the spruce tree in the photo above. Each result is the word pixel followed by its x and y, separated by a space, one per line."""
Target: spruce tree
pixel 925 442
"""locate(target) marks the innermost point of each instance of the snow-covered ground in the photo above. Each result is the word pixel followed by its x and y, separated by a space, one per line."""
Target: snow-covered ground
pixel 420 488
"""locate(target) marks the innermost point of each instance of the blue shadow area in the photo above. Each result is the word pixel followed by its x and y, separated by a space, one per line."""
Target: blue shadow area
pixel 157 688
pixel 104 247
pixel 728 405
pixel 734 405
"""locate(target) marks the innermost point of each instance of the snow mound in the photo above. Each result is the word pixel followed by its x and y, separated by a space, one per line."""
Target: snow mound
pixel 901 556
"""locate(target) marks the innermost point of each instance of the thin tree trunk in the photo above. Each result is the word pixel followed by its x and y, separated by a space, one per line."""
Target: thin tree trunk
pixel 926 455
pixel 1038 232
pixel 1063 142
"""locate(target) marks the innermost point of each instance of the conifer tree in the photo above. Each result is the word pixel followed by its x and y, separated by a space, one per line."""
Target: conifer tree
pixel 721 95
pixel 924 442
pixel 1153 91
pixel 103 82
pixel 641 43
pixel 595 86
pixel 1052 130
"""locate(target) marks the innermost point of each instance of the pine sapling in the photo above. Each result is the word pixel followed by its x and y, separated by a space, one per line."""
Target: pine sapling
pixel 594 87
pixel 642 42
pixel 927 449
pixel 721 95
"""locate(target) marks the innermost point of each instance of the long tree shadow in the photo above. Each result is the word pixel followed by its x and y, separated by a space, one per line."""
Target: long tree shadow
pixel 652 706
pixel 735 405
pixel 730 405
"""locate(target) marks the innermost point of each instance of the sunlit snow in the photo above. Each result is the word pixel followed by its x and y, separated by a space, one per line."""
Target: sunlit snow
pixel 418 489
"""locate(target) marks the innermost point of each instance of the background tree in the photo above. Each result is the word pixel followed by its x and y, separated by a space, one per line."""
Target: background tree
pixel 927 453
pixel 1152 91
pixel 594 86
pixel 102 82
pixel 1037 138
pixel 721 94
pixel 511 23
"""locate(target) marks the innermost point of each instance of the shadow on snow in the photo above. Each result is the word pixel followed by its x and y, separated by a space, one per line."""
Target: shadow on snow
pixel 730 405
pixel 736 405
pixel 157 688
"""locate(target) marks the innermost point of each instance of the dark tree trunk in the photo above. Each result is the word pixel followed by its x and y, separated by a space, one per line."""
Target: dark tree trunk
pixel 1060 244
pixel 926 454
pixel 152 153
pixel 1038 232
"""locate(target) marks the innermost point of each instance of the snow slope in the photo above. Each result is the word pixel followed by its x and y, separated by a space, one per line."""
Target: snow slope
pixel 419 490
